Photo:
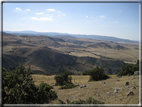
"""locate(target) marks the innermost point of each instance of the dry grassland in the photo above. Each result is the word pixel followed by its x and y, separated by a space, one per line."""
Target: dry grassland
pixel 129 56
pixel 96 89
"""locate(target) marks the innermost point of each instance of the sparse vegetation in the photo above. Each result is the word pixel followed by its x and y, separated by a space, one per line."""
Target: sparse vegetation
pixel 47 74
pixel 18 88
pixel 61 70
pixel 96 89
pixel 85 73
pixel 45 54
pixel 90 100
pixel 67 85
pixel 105 57
pixel 129 69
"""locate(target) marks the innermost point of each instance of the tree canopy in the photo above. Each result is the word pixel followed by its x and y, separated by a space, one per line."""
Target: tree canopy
pixel 97 74
pixel 18 88
pixel 129 69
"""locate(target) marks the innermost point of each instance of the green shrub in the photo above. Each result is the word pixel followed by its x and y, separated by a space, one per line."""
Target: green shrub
pixel 44 93
pixel 85 73
pixel 61 102
pixel 97 74
pixel 61 70
pixel 90 100
pixel 129 69
pixel 47 74
pixel 18 88
pixel 67 86
pixel 64 81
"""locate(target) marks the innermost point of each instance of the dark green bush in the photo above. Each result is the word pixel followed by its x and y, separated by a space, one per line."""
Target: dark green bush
pixel 129 69
pixel 90 100
pixel 61 70
pixel 44 93
pixel 97 74
pixel 47 74
pixel 85 73
pixel 67 86
pixel 18 88
pixel 64 80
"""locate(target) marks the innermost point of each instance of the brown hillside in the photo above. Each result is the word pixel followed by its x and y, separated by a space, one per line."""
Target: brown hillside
pixel 46 60
pixel 53 55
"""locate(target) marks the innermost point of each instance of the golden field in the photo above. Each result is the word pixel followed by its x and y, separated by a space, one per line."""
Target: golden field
pixel 95 89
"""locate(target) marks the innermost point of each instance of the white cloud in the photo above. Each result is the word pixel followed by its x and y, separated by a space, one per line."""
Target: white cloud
pixel 40 13
pixel 86 16
pixel 59 13
pixel 45 19
pixel 115 21
pixel 18 9
pixel 27 9
pixel 34 18
pixel 126 25
pixel 42 18
pixel 51 10
pixel 102 16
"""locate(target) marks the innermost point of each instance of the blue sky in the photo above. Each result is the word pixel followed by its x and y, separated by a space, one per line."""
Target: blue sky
pixel 107 19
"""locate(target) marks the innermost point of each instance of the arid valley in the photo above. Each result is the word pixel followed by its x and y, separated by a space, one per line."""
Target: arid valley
pixel 71 53
pixel 53 55
pixel 50 55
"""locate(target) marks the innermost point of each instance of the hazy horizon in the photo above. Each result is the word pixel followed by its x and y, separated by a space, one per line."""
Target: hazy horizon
pixel 120 20
pixel 70 34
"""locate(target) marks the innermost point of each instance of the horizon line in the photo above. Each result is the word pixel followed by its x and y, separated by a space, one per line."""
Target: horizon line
pixel 69 34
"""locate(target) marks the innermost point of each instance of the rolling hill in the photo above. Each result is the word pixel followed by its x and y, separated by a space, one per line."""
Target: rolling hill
pixel 46 60
pixel 52 55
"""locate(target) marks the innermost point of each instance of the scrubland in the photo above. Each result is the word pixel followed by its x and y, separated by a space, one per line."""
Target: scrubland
pixel 98 90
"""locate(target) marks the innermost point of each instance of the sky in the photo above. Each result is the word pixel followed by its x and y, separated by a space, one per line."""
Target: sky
pixel 119 20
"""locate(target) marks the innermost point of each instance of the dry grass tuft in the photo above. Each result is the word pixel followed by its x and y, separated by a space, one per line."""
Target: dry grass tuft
pixel 96 89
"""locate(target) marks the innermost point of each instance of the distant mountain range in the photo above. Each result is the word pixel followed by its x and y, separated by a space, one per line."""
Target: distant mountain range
pixel 55 34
